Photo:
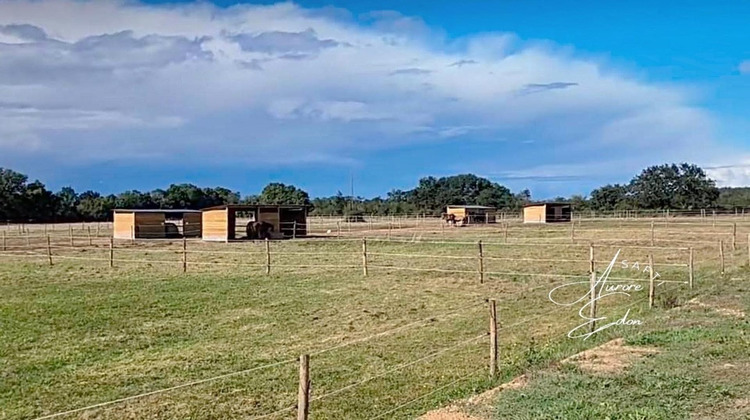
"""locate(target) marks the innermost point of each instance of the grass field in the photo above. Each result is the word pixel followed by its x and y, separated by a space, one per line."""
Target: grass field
pixel 413 332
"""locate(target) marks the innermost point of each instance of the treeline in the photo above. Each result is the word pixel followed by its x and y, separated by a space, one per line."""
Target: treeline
pixel 669 186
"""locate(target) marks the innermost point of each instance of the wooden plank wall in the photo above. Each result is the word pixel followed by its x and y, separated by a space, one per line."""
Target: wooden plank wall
pixel 191 224
pixel 535 214
pixel 214 224
pixel 123 225
pixel 150 225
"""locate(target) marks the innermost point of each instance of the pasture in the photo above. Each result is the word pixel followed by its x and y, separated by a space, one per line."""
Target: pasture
pixel 192 329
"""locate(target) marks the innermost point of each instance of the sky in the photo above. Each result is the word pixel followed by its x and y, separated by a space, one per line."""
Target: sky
pixel 557 97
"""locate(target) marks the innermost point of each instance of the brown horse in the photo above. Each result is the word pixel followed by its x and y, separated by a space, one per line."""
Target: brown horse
pixel 259 230
pixel 450 219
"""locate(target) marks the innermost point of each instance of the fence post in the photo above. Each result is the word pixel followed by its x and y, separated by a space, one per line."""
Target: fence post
pixel 70 233
pixel 49 251
pixel 592 303
pixel 303 395
pixel 651 288
pixel 481 262
pixel 89 233
pixel 721 255
pixel 690 269
pixel 294 230
pixel 364 256
pixel 111 251
pixel 184 254
pixel 132 233
pixel 45 228
pixel 573 231
pixel 714 218
pixel 652 233
pixel 734 236
pixel 505 232
pixel 338 228
pixel 268 257
pixel 98 228
pixel 493 338
pixel 591 258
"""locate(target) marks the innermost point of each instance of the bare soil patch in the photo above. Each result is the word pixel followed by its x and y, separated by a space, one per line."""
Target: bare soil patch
pixel 611 357
pixel 722 310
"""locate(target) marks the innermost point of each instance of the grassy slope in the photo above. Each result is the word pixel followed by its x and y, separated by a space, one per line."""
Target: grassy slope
pixel 701 371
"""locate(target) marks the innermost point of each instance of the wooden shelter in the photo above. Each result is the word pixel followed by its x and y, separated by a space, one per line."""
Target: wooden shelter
pixel 156 223
pixel 229 221
pixel 547 213
pixel 473 214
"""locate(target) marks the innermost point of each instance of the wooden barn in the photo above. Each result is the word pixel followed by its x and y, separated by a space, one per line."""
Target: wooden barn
pixel 547 213
pixel 473 214
pixel 156 223
pixel 229 222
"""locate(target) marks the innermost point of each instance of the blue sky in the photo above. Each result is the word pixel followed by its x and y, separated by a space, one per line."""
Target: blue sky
pixel 556 97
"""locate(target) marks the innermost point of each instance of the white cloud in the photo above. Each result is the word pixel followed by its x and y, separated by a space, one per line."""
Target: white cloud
pixel 106 80
pixel 745 67
pixel 735 174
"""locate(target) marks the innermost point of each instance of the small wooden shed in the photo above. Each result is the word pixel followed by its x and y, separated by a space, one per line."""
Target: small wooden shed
pixel 547 213
pixel 156 223
pixel 473 214
pixel 228 222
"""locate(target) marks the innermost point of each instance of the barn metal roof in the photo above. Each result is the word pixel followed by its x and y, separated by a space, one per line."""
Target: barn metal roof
pixel 156 211
pixel 254 206
pixel 544 203
pixel 471 207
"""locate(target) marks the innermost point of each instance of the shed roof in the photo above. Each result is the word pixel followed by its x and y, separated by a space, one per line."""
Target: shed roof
pixel 156 211
pixel 471 207
pixel 545 203
pixel 254 206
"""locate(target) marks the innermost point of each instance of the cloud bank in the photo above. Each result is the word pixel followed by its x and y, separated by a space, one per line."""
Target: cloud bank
pixel 106 81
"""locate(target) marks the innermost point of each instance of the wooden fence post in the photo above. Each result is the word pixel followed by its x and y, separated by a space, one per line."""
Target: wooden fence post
pixel 493 338
pixel 98 226
pixel 89 234
pixel 714 219
pixel 573 231
pixel 721 256
pixel 111 251
pixel 294 230
pixel 591 258
pixel 592 303
pixel 734 236
pixel 268 257
pixel 338 228
pixel 70 233
pixel 364 256
pixel 481 262
pixel 49 251
pixel 652 233
pixel 691 274
pixel 651 288
pixel 303 394
pixel 184 254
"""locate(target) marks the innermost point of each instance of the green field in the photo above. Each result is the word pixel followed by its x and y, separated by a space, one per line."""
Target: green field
pixel 413 332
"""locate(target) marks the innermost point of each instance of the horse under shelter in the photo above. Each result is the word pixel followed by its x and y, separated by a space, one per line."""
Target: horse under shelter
pixel 156 223
pixel 229 222
pixel 473 214
pixel 547 212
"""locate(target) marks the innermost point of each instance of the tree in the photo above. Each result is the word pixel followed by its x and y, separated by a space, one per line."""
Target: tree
pixel 683 186
pixel 609 197
pixel 12 191
pixel 93 207
pixel 432 195
pixel 67 208
pixel 278 193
